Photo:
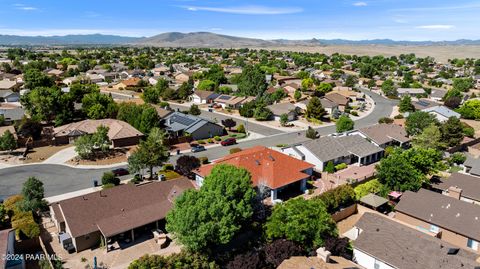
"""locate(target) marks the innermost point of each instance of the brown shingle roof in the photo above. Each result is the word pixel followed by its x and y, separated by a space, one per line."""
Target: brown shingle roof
pixel 385 133
pixel 470 185
pixel 121 208
pixel 406 248
pixel 337 98
pixel 117 129
pixel 443 211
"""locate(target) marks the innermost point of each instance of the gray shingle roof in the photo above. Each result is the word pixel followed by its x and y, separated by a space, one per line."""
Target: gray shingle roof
pixel 470 185
pixel 385 133
pixel 178 121
pixel 328 148
pixel 282 108
pixel 405 248
pixel 474 164
pixel 443 211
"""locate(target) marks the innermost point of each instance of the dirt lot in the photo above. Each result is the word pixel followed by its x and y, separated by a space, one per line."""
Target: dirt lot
pixel 119 156
pixel 440 53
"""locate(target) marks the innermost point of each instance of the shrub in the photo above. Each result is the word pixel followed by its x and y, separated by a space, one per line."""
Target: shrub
pixel 241 128
pixel 329 168
pixel 203 160
pixel 109 178
pixel 354 113
pixel 458 158
pixel 167 167
pixel 108 186
pixel 399 116
pixel 233 135
pixel 235 150
pixel 202 142
pixel 210 140
pixel 280 250
pixel 340 197
pixel 372 186
pixel 340 166
pixel 217 138
pixel 386 120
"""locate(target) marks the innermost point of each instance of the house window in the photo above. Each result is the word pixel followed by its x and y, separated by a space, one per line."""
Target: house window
pixel 472 244
pixel 434 229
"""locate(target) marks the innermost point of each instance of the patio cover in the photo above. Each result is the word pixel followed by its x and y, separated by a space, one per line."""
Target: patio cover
pixel 373 200
pixel 395 194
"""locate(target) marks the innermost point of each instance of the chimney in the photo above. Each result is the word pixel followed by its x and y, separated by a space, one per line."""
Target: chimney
pixel 455 192
pixel 323 254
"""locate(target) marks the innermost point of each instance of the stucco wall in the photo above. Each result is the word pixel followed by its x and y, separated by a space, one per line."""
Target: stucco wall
pixel 85 242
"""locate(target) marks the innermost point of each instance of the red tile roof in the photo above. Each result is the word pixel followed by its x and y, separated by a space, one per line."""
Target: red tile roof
pixel 267 166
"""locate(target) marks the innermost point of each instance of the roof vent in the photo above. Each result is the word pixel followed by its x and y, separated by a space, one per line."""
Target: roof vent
pixel 453 251
pixel 257 162
pixel 458 215
pixel 448 206
pixel 271 157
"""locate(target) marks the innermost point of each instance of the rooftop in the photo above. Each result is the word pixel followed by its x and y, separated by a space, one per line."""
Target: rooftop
pixel 443 211
pixel 117 129
pixel 405 248
pixel 470 185
pixel 385 133
pixel 266 166
pixel 327 148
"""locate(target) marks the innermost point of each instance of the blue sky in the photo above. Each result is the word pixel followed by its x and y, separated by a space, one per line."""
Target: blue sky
pixel 268 19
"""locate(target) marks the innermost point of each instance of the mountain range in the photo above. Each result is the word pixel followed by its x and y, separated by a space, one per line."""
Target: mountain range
pixel 203 39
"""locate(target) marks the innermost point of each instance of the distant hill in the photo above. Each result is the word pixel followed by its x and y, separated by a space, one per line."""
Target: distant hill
pixel 93 39
pixel 205 39
pixel 202 39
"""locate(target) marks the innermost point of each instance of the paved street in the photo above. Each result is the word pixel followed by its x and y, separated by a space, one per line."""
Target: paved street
pixel 60 179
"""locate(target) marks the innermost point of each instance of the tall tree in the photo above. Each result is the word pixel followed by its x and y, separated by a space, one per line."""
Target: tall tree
pixel 35 78
pixel 186 164
pixel 99 106
pixel 229 123
pixel 417 121
pixel 306 222
pixel 344 123
pixel 7 141
pixel 194 110
pixel 33 194
pixel 151 153
pixel 315 109
pixel 406 105
pixel 452 132
pixel 252 81
pixel 213 215
pixel 430 137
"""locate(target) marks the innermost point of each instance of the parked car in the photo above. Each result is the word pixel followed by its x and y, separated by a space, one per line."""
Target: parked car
pixel 229 142
pixel 120 172
pixel 198 148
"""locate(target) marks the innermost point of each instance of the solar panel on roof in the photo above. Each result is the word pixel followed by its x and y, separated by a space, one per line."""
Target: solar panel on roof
pixel 423 103
pixel 183 120
pixel 224 97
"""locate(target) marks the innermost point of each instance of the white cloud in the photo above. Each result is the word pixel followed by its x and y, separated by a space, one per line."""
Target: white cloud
pixel 24 7
pixel 439 8
pixel 436 27
pixel 247 10
pixel 360 4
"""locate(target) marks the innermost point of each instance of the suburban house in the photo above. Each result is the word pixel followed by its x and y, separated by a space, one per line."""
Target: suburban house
pixel 423 103
pixel 288 109
pixel 162 112
pixel 338 99
pixel 328 105
pixel 128 83
pixel 472 164
pixel 228 101
pixel 181 78
pixel 204 97
pixel 11 113
pixel 125 211
pixel 9 128
pixel 445 217
pixel 460 186
pixel 437 94
pixel 268 168
pixel 7 249
pixel 383 243
pixel 178 125
pixel 8 84
pixel 344 149
pixel 120 133
pixel 55 72
pixel 70 80
pixel 442 113
pixel 8 96
pixel 410 91
pixel 384 135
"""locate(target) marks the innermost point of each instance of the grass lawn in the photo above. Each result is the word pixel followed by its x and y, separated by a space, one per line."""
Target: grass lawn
pixel 169 174
pixel 455 169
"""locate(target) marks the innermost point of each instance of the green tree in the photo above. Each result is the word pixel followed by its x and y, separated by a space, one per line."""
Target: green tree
pixel 372 186
pixel 99 106
pixel 109 178
pixel 185 90
pixel 214 214
pixel 397 173
pixel 388 88
pixel 307 84
pixel 303 221
pixel 284 119
pixel 324 88
pixel 297 95
pixel 33 194
pixel 241 129
pixel 206 85
pixel 350 81
pixel 430 137
pixel 7 141
pixel 151 95
pixel 252 81
pixel 194 110
pixel 329 168
pixel 315 109
pixel 248 109
pixel 452 132
pixel 311 133
pixel 463 84
pixel 35 78
pixel 470 109
pixel 425 160
pixel 216 74
pixel 417 121
pixel 262 113
pixel 46 104
pixel 86 145
pixel 406 105
pixel 344 123
pixel 151 153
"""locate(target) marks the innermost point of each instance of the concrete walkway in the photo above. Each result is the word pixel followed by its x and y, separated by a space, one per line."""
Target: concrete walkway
pixel 62 156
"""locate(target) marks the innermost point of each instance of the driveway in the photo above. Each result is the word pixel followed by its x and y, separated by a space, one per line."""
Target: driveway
pixel 62 156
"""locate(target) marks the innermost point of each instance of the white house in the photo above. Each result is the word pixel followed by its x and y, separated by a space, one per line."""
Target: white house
pixel 442 113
